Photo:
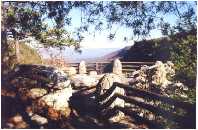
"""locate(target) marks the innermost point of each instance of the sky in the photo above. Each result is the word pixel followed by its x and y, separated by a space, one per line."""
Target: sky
pixel 100 40
pixel 97 44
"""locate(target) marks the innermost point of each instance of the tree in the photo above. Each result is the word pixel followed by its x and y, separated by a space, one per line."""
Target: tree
pixel 28 19
pixel 24 19
pixel 141 17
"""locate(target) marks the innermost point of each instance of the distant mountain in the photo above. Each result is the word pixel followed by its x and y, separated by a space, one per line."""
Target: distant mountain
pixel 88 54
pixel 113 55
pixel 145 50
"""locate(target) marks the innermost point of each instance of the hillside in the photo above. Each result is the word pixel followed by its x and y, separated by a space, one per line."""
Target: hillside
pixel 146 50
pixel 28 55
pixel 179 48
pixel 149 50
pixel 113 55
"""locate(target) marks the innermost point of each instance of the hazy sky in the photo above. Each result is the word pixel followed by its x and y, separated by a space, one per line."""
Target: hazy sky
pixel 98 40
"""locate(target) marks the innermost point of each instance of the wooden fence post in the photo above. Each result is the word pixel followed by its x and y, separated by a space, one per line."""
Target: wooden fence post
pixel 97 66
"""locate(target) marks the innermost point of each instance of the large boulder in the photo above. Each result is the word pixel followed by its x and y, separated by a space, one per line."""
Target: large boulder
pixel 16 122
pixel 72 71
pixel 57 101
pixel 106 83
pixel 155 75
pixel 93 73
pixel 84 80
pixel 51 97
pixel 160 76
pixel 39 119
pixel 36 93
pixel 117 67
pixel 82 68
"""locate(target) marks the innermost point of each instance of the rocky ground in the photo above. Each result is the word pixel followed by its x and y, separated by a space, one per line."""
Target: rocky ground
pixel 45 97
pixel 83 113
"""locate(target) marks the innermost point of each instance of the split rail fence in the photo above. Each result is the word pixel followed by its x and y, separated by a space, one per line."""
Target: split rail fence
pixel 181 113
pixel 102 67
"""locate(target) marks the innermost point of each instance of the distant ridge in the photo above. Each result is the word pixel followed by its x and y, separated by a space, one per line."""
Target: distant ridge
pixel 145 50
pixel 111 56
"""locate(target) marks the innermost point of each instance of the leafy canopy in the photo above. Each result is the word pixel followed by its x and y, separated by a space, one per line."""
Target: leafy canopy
pixel 28 18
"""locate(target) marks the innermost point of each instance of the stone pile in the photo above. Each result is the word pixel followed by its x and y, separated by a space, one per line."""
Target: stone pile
pixel 156 79
pixel 92 73
pixel 16 122
pixel 56 101
pixel 84 80
pixel 70 71
pixel 156 75
pixel 50 102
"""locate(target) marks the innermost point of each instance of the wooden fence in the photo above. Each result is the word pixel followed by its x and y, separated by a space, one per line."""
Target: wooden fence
pixel 182 114
pixel 102 67
pixel 173 113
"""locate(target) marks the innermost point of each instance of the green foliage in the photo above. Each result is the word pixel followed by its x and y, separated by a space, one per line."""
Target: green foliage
pixel 29 19
pixel 140 16
pixel 184 56
pixel 179 48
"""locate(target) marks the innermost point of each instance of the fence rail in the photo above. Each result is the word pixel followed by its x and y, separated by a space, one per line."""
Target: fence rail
pixel 185 120
pixel 102 67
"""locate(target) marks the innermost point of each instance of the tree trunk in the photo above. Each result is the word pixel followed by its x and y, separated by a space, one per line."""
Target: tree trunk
pixel 17 50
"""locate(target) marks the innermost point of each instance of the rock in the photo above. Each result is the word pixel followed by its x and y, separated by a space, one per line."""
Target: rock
pixel 58 99
pixel 16 122
pixel 180 86
pixel 66 112
pixel 62 85
pixel 53 114
pixel 72 71
pixel 56 103
pixel 21 125
pixel 16 119
pixel 39 119
pixel 161 73
pixel 92 73
pixel 151 116
pixel 10 125
pixel 170 68
pixel 84 80
pixel 82 68
pixel 106 83
pixel 37 92
pixel 157 75
pixel 117 118
pixel 117 67
pixel 29 110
